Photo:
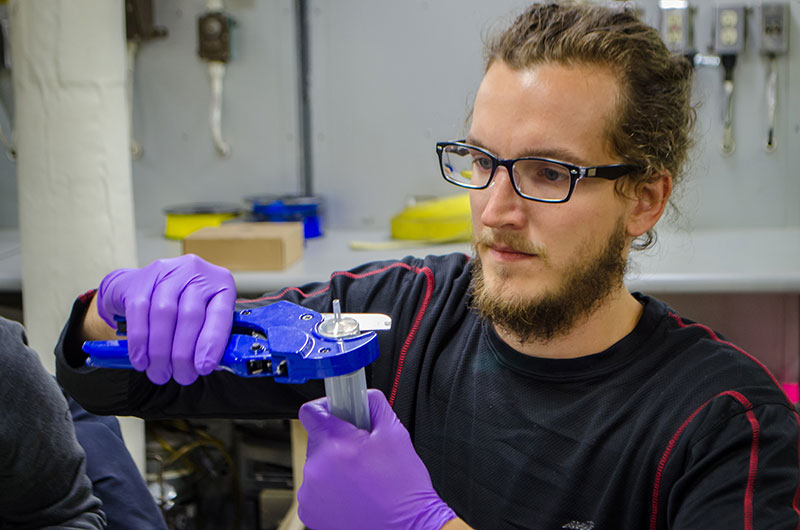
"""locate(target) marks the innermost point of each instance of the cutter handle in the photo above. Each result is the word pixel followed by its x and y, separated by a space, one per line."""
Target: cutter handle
pixel 107 354
pixel 114 354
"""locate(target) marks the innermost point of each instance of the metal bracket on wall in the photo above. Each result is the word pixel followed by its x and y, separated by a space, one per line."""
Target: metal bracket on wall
pixel 139 27
pixel 304 122
pixel 729 37
pixel 773 40
pixel 6 86
pixel 214 32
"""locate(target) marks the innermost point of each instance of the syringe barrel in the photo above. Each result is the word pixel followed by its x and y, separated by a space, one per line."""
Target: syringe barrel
pixel 347 398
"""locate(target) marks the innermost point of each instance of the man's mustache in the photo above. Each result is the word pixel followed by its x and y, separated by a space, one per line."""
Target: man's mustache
pixel 495 238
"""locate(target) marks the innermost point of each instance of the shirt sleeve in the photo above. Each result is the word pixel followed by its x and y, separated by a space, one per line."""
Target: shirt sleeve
pixel 392 287
pixel 104 391
pixel 743 473
pixel 43 483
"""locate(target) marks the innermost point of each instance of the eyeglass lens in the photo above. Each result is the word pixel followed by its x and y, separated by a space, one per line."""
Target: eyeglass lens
pixel 537 179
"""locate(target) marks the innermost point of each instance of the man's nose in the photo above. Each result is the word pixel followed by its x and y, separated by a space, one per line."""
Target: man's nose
pixel 504 206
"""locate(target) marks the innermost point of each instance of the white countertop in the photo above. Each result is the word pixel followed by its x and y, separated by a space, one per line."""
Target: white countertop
pixel 706 261
pixel 752 260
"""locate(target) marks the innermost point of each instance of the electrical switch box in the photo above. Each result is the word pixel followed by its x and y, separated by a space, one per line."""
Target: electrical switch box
pixel 622 6
pixel 214 36
pixel 5 39
pixel 729 28
pixel 773 28
pixel 139 24
pixel 676 25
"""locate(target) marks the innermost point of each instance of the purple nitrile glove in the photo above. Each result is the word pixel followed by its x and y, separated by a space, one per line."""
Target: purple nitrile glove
pixel 179 315
pixel 354 479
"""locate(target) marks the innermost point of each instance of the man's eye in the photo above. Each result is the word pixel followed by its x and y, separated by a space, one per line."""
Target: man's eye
pixel 483 163
pixel 554 175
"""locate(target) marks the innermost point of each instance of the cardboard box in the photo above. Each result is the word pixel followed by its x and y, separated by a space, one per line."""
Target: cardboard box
pixel 248 246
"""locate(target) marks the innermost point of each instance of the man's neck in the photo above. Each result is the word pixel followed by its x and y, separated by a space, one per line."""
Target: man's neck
pixel 612 320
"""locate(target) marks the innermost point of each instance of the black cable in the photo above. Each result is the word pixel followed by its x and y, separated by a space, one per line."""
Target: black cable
pixel 728 63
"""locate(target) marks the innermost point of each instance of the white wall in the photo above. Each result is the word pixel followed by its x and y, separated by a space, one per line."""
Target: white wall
pixel 388 80
pixel 384 91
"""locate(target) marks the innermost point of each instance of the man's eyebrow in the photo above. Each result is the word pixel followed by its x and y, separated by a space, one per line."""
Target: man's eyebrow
pixel 562 155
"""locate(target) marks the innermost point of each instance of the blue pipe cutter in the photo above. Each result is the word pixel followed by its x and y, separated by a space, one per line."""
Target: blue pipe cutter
pixel 285 341
pixel 291 344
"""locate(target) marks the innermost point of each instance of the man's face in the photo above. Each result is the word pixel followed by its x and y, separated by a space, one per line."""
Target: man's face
pixel 559 258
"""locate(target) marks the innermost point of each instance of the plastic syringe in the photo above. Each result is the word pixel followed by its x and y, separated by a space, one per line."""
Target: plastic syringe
pixel 347 394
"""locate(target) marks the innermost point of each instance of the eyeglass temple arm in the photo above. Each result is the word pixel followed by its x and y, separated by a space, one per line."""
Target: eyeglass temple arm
pixel 608 172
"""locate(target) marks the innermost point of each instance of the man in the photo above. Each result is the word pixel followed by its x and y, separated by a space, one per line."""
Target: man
pixel 127 501
pixel 43 481
pixel 61 466
pixel 525 388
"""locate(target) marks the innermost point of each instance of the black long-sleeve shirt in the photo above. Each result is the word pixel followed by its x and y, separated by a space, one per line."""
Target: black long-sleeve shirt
pixel 670 428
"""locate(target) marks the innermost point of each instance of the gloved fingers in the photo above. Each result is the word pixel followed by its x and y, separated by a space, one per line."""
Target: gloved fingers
pixel 380 411
pixel 215 332
pixel 377 402
pixel 190 318
pixel 108 304
pixel 151 300
pixel 164 303
pixel 328 435
pixel 137 316
pixel 314 415
pixel 323 455
pixel 356 479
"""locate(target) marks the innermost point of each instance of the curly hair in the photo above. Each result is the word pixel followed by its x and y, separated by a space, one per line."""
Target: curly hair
pixel 652 126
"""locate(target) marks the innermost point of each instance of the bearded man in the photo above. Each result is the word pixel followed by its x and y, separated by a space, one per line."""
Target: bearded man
pixel 525 387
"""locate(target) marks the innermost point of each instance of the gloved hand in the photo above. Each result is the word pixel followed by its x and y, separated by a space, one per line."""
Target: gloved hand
pixel 354 479
pixel 179 315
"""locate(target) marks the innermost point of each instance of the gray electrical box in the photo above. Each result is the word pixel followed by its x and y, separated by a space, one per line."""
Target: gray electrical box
pixel 729 28
pixel 773 28
pixel 676 25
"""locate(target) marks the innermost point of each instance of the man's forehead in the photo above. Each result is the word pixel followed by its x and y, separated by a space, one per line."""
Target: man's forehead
pixel 555 152
pixel 547 110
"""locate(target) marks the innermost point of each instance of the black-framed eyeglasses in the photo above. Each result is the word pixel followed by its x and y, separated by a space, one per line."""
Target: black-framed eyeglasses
pixel 537 179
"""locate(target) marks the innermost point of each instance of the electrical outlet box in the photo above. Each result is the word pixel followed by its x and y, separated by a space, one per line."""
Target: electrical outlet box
pixel 676 25
pixel 729 28
pixel 139 24
pixel 214 36
pixel 773 28
pixel 622 5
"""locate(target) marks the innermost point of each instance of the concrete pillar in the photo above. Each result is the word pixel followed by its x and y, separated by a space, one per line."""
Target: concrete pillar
pixel 73 161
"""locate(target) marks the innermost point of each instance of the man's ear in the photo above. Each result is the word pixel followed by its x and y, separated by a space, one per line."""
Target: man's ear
pixel 648 203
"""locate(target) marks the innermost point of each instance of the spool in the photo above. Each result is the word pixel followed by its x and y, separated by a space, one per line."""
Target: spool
pixel 289 208
pixel 438 219
pixel 184 219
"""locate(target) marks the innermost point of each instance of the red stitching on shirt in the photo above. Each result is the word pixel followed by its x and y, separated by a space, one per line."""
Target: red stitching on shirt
pixel 751 474
pixel 417 320
pixel 714 337
pixel 411 334
pixel 797 492
pixel 314 293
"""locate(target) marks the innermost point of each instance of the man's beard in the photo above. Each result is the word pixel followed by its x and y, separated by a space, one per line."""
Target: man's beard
pixel 583 288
